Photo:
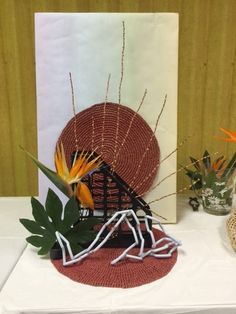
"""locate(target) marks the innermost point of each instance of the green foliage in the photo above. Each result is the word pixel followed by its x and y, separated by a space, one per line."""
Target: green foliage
pixel 206 160
pixel 54 218
pixel 230 168
pixel 51 175
pixel 196 179
pixel 207 172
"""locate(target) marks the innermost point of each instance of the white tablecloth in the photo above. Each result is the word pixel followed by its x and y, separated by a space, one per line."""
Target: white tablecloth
pixel 202 281
pixel 12 233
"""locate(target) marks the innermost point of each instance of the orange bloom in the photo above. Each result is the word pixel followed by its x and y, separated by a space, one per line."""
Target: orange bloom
pixel 231 136
pixel 81 167
pixel 219 166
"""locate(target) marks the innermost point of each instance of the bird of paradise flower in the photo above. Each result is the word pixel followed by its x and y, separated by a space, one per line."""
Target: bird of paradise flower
pixel 231 136
pixel 68 179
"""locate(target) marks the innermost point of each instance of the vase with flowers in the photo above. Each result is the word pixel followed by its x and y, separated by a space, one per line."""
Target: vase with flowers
pixel 212 182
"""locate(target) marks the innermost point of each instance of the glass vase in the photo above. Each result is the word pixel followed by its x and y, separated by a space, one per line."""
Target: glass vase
pixel 217 195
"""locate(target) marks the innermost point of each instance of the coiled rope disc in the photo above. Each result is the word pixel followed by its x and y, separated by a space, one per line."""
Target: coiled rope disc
pixel 122 138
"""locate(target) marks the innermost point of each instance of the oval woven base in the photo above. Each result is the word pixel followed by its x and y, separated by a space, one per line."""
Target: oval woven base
pixel 96 270
pixel 123 139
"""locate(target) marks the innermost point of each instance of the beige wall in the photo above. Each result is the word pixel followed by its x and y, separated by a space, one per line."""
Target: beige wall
pixel 207 77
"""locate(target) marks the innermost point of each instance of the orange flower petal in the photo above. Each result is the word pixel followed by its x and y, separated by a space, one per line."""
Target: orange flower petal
pixel 92 165
pixel 231 135
pixel 58 162
pixel 78 165
pixel 84 195
pixel 63 161
pixel 88 166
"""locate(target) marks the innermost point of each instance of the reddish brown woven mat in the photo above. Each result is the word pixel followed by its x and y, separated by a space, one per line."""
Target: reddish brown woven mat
pixel 97 128
pixel 96 270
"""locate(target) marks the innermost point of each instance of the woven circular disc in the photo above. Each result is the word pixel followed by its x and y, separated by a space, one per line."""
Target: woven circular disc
pixel 96 269
pixel 122 138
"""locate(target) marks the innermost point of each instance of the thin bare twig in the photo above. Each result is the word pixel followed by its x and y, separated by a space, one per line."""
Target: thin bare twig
pixel 149 143
pixel 174 193
pixel 176 149
pixel 74 112
pixel 122 61
pixel 104 111
pixel 128 130
pixel 119 102
pixel 159 116
pixel 93 133
pixel 180 169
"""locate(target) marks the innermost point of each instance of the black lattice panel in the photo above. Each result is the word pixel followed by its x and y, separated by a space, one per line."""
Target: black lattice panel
pixel 110 194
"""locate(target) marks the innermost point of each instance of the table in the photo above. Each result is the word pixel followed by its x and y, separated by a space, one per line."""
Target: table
pixel 202 281
pixel 12 233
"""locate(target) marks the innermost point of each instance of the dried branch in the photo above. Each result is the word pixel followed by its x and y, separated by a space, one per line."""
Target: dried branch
pixel 74 112
pixel 174 193
pixel 104 111
pixel 149 143
pixel 113 164
pixel 120 85
pixel 122 61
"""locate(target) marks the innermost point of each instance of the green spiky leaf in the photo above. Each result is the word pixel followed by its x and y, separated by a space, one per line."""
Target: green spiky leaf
pixel 195 163
pixel 51 175
pixel 206 160
pixel 230 167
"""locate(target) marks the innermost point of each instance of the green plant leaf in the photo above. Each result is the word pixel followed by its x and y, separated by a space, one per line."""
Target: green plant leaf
pixel 209 179
pixel 80 237
pixel 54 218
pixel 230 167
pixel 195 163
pixel 71 215
pixel 51 175
pixel 87 224
pixel 32 226
pixel 45 243
pixel 206 160
pixel 190 173
pixel 83 231
pixel 76 248
pixel 54 208
pixel 41 217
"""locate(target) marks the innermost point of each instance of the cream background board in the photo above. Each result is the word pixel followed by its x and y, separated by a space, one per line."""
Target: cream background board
pixel 206 88
pixel 89 45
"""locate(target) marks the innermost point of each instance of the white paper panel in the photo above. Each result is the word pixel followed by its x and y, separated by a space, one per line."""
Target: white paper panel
pixel 89 45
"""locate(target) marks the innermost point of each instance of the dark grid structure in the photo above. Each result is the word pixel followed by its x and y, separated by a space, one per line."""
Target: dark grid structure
pixel 110 194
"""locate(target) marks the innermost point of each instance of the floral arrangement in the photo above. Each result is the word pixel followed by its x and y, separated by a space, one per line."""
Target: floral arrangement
pixel 53 217
pixel 211 180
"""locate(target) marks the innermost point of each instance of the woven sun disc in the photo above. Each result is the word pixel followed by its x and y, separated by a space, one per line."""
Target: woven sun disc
pixel 96 269
pixel 231 228
pixel 122 138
